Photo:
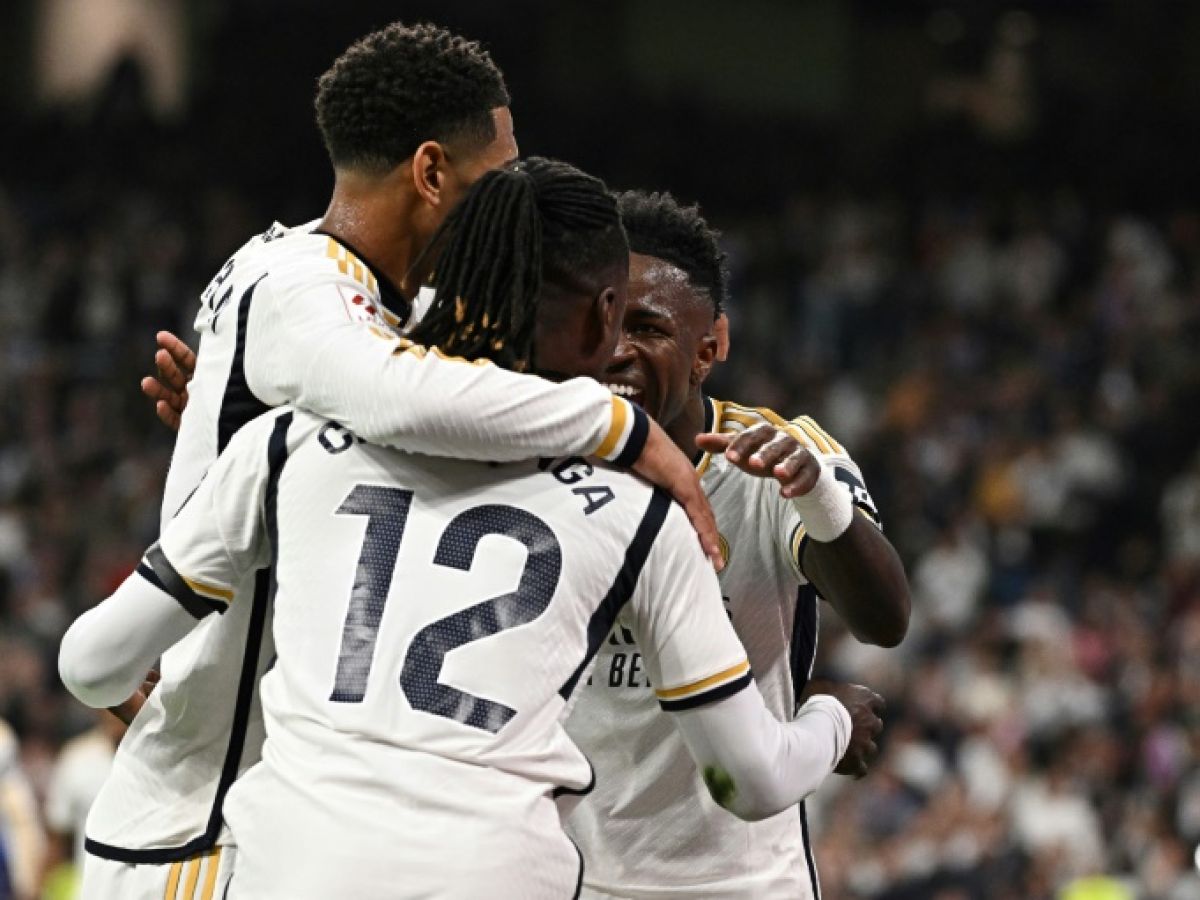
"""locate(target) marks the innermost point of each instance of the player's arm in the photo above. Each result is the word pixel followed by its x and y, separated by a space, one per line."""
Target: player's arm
pixel 840 549
pixel 189 574
pixel 310 352
pixel 754 765
pixel 306 346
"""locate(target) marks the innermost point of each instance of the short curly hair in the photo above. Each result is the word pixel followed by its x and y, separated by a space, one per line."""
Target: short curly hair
pixel 401 86
pixel 659 225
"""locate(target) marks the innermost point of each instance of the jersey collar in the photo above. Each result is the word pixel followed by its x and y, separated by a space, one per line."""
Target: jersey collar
pixel 712 421
pixel 389 295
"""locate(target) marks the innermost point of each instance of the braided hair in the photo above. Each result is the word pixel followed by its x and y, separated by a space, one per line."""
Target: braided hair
pixel 540 221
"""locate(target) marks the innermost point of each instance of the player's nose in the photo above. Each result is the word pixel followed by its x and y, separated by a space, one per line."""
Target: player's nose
pixel 623 355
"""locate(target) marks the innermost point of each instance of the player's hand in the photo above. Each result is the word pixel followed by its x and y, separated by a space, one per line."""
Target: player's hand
pixel 663 464
pixel 866 709
pixel 767 452
pixel 175 363
pixel 128 710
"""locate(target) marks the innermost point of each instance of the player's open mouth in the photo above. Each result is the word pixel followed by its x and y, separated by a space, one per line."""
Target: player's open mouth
pixel 629 392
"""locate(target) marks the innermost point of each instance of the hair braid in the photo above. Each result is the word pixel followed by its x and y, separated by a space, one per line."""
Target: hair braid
pixel 540 220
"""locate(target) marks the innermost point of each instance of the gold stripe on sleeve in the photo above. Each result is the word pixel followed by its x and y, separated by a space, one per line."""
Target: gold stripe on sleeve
pixel 712 680
pixel 744 419
pixel 814 435
pixel 208 590
pixel 437 351
pixel 797 540
pixel 620 413
pixel 808 420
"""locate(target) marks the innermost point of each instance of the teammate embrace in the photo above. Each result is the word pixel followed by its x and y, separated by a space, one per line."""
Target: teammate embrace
pixel 424 623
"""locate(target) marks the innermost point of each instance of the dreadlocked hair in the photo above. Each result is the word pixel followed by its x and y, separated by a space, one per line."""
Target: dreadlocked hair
pixel 659 225
pixel 540 221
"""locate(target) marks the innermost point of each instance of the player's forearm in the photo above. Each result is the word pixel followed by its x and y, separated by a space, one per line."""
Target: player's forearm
pixel 860 573
pixel 756 766
pixel 106 653
pixel 423 403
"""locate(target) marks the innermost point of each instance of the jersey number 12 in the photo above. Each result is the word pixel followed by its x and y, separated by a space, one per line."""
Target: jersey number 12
pixel 386 510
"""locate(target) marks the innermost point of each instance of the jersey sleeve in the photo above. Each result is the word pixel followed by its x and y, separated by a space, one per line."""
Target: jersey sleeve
pixel 304 348
pixel 690 650
pixel 190 573
pixel 220 534
pixel 790 530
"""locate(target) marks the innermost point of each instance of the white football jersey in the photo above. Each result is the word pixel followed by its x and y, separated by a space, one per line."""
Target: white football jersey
pixel 295 316
pixel 649 829
pixel 431 620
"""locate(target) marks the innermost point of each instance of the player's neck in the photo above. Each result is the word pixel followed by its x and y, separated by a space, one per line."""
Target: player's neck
pixel 684 428
pixel 375 229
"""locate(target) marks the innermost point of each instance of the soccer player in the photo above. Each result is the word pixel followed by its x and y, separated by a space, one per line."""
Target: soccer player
pixel 411 116
pixel 433 617
pixel 796 522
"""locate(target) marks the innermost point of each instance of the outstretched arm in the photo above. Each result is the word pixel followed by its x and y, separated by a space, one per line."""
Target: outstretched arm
pixel 391 392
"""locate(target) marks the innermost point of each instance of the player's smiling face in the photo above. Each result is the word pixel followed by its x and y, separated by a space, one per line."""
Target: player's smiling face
pixel 666 346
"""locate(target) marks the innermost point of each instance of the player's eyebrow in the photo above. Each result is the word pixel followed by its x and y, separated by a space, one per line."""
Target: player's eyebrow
pixel 649 312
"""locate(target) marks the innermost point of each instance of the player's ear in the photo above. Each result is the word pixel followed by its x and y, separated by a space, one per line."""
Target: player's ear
pixel 604 318
pixel 608 308
pixel 706 355
pixel 429 169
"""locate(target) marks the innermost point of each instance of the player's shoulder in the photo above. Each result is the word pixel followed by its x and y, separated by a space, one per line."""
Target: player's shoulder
pixel 594 486
pixel 652 509
pixel 278 431
pixel 730 417
pixel 298 256
pixel 270 253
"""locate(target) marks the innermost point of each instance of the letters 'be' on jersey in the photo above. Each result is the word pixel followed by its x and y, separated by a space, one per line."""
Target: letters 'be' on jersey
pixel 203 724
pixel 650 829
pixel 432 618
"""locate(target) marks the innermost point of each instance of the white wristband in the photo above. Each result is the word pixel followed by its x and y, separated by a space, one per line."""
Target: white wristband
pixel 827 509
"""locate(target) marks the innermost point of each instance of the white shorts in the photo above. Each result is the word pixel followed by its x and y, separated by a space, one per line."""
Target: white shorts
pixel 202 877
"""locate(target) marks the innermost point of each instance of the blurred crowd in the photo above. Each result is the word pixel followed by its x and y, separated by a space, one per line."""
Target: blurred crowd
pixel 1018 380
